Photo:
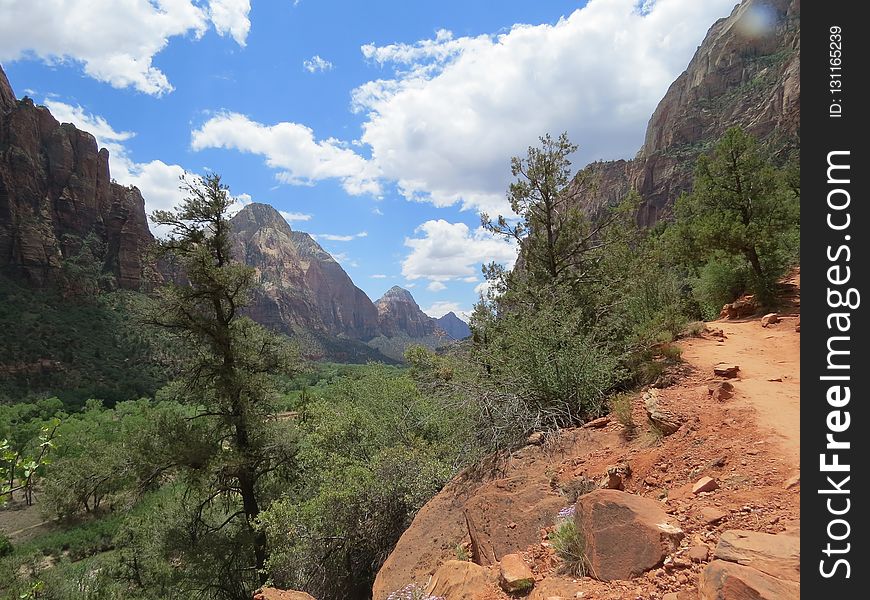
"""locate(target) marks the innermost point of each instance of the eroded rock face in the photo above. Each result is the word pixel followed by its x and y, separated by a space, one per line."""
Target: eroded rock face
pixel 625 534
pixel 460 579
pixel 739 76
pixel 398 312
pixel 56 190
pixel 300 284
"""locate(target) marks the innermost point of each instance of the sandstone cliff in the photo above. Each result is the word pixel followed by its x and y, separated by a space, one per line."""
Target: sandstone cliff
pixel 299 284
pixel 745 73
pixel 55 190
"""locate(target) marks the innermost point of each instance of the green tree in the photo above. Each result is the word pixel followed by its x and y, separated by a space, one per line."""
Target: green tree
pixel 227 378
pixel 741 207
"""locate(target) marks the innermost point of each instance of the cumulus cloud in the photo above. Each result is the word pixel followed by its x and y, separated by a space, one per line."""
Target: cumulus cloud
pixel 317 64
pixel 441 308
pixel 447 251
pixel 114 41
pixel 231 17
pixel 444 122
pixel 339 238
pixel 378 276
pixel 291 217
pixel 292 150
pixel 436 286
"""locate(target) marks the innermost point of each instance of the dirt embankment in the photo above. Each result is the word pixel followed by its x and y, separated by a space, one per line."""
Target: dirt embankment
pixel 743 432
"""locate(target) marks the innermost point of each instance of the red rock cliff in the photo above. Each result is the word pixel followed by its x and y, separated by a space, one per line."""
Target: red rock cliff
pixel 55 190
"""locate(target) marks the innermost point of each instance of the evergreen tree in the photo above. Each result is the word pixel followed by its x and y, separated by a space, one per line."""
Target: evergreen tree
pixel 227 378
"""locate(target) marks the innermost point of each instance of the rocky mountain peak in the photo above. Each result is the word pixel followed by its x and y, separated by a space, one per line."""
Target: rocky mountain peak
pixel 397 294
pixel 256 216
pixel 453 326
pixel 7 96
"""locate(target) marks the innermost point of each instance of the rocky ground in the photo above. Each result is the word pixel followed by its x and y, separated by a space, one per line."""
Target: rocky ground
pixel 728 476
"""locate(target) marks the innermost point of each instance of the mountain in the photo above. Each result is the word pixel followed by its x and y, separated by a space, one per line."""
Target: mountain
pixel 55 191
pixel 453 326
pixel 398 313
pixel 742 74
pixel 300 284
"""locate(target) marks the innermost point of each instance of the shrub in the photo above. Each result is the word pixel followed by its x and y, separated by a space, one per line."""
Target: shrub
pixel 620 405
pixel 6 547
pixel 570 546
pixel 719 282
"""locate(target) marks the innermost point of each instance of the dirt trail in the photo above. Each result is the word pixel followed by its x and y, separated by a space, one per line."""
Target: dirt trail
pixel 769 378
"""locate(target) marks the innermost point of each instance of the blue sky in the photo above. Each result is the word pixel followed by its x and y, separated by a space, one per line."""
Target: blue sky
pixel 381 127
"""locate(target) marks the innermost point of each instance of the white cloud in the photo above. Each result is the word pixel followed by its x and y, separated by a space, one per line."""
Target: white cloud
pixel 377 211
pixel 378 276
pixel 291 149
pixel 442 307
pixel 114 41
pixel 290 217
pixel 449 251
pixel 344 259
pixel 317 64
pixel 231 17
pixel 339 238
pixel 471 279
pixel 452 112
pixel 482 288
pixel 436 286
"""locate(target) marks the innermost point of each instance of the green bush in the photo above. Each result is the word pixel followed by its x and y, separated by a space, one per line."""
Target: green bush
pixel 6 547
pixel 720 281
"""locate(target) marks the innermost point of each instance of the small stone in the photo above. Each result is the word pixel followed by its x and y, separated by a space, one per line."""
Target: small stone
pixel 726 370
pixel 711 516
pixel 792 482
pixel 698 553
pixel 705 484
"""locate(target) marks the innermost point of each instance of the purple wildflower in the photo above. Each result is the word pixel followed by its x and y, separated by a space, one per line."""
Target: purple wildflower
pixel 567 512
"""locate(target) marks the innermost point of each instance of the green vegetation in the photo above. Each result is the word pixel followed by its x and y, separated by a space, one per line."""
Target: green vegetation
pixel 739 228
pixel 76 347
pixel 570 546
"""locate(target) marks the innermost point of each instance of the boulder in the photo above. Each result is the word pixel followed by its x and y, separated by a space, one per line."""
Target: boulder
pixel 514 574
pixel 726 370
pixel 268 593
pixel 705 484
pixel 460 579
pixel 740 308
pixel 722 580
pixel 666 421
pixel 769 319
pixel 625 534
pixel 776 555
pixel 614 477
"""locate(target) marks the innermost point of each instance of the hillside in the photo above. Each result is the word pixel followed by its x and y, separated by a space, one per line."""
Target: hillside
pixel 741 432
pixel 745 73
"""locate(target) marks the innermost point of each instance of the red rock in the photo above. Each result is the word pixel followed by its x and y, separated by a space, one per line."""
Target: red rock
pixel 597 423
pixel 698 553
pixel 460 579
pixel 57 190
pixel 625 534
pixel 726 370
pixel 722 580
pixel 514 574
pixel 769 319
pixel 776 555
pixel 724 390
pixel 705 484
pixel 711 516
